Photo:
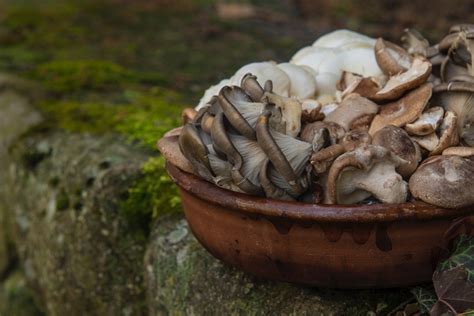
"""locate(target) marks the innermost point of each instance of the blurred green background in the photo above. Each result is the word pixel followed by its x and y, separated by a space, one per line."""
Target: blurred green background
pixel 130 67
pixel 96 58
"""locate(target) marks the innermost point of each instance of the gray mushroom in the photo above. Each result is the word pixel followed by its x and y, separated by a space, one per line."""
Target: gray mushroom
pixel 286 154
pixel 416 44
pixel 270 189
pixel 192 143
pixel 223 143
pixel 239 109
pixel 458 97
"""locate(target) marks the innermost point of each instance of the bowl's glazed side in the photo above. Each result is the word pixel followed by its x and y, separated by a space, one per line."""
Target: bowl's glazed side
pixel 349 254
pixel 341 256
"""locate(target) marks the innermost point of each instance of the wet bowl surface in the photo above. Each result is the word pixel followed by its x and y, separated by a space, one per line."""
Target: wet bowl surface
pixel 335 246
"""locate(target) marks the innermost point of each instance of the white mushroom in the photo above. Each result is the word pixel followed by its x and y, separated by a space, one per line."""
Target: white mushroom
pixel 210 92
pixel 264 71
pixel 302 82
pixel 341 37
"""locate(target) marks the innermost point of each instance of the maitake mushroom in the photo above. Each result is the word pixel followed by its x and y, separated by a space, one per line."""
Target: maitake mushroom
pixel 347 120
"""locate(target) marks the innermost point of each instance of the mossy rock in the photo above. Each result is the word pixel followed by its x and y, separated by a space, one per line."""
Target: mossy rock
pixel 16 116
pixel 65 192
pixel 16 298
pixel 183 279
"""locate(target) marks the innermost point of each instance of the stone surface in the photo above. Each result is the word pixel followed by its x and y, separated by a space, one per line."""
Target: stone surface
pixel 79 254
pixel 182 278
pixel 15 297
pixel 16 117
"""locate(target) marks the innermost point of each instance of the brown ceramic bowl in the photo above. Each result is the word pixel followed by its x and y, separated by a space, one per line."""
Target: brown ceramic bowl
pixel 359 246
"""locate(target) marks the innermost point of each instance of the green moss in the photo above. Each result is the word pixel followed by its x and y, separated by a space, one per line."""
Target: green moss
pixel 151 196
pixel 77 116
pixel 74 75
pixel 62 201
pixel 15 297
pixel 152 114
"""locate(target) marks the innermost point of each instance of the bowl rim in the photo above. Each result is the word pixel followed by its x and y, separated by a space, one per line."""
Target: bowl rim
pixel 300 211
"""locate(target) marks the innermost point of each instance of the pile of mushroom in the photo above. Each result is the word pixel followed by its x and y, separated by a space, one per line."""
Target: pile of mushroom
pixel 348 120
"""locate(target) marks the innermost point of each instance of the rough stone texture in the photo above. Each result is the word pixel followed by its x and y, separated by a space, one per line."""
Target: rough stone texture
pixel 182 278
pixel 79 254
pixel 15 297
pixel 16 117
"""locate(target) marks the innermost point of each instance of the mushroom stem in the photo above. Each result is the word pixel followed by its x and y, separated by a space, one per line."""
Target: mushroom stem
pixel 194 149
pixel 223 144
pixel 333 177
pixel 271 190
pixel 233 115
pixel 274 153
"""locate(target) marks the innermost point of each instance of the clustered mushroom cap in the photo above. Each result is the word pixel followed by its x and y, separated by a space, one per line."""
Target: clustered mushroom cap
pixel 348 119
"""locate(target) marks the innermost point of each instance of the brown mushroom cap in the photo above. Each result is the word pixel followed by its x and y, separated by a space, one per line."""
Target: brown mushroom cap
pixel 366 87
pixel 459 151
pixel 403 111
pixel 311 111
pixel 366 171
pixel 448 133
pixel 391 58
pixel 445 181
pixel 350 109
pixel 169 148
pixel 188 115
pixel 398 142
pixel 309 131
pixel 427 123
pixel 397 85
